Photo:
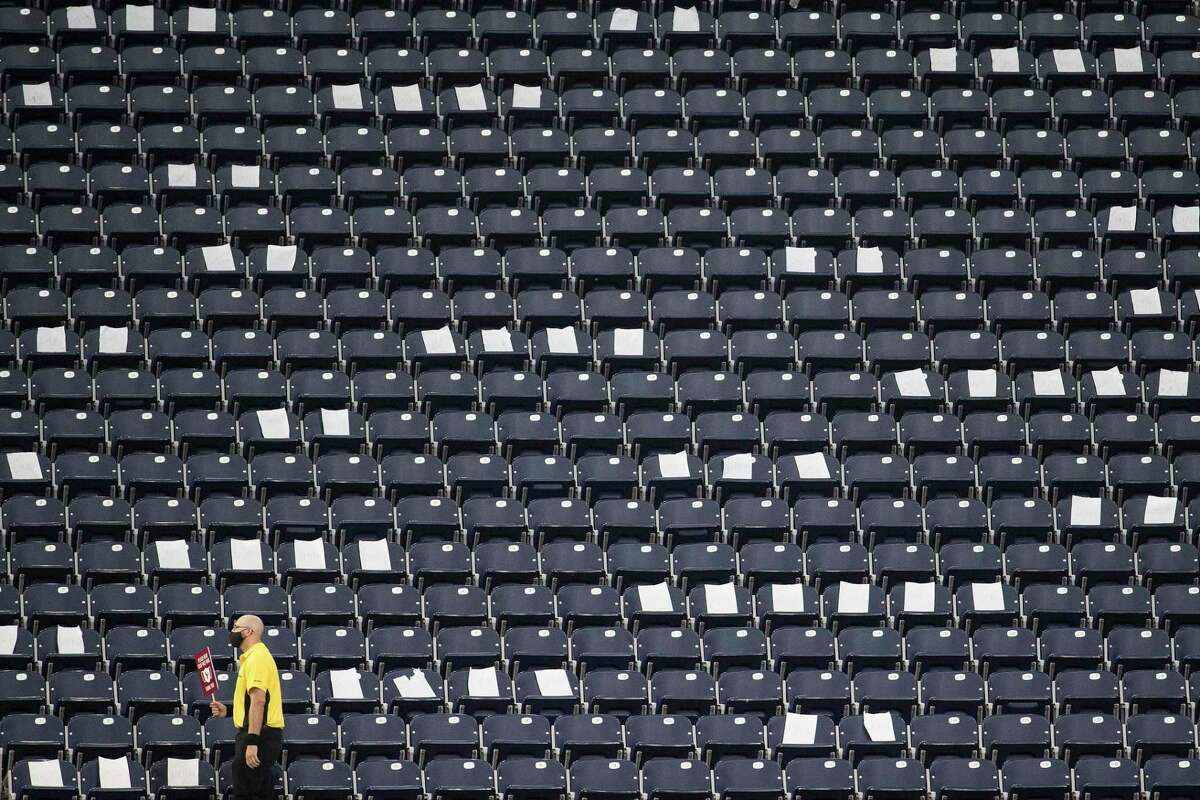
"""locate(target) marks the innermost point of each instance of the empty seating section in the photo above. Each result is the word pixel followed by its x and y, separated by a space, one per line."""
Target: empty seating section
pixel 736 400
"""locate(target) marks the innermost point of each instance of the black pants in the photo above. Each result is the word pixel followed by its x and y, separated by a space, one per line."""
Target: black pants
pixel 257 783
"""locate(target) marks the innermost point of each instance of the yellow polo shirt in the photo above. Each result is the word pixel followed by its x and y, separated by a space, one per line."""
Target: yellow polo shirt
pixel 257 670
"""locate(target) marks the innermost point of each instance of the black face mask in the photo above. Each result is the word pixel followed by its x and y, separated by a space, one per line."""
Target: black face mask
pixel 236 638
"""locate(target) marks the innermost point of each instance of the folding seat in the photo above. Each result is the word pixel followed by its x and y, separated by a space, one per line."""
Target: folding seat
pixel 959 561
pixel 1157 734
pixel 902 559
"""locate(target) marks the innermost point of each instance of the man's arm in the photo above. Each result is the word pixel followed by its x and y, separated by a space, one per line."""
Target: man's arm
pixel 254 724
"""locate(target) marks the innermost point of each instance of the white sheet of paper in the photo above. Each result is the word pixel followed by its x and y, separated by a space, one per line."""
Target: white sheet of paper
pixel 628 342
pixel 943 59
pixel 69 639
pixel 309 553
pixel 37 94
pixel 987 596
pixel 526 96
pixel 623 19
pixel 414 686
pixel 183 772
pixel 1185 219
pixel 281 257
pixel 8 639
pixel 1173 383
pixel 912 383
pixel 919 598
pixel 982 382
pixel 202 20
pixel 244 176
pixel 24 466
pixel 497 340
pixel 1109 382
pixel 347 96
pixel 800 259
pixel 800 729
pixel 738 467
pixel 439 341
pixel 1159 510
pixel 274 423
pixel 562 340
pixel 246 554
pixel 879 727
pixel 139 19
pixel 655 598
pixel 1145 301
pixel 1127 59
pixel 868 260
pixel 45 773
pixel 853 598
pixel 1068 61
pixel 172 554
pixel 1122 219
pixel 1048 383
pixel 373 555
pixel 335 421
pixel 787 598
pixel 674 465
pixel 720 598
pixel 553 682
pixel 407 98
pixel 218 258
pixel 81 17
pixel 346 684
pixel 181 175
pixel 51 340
pixel 685 20
pixel 1006 59
pixel 470 98
pixel 1086 511
pixel 113 340
pixel 114 773
pixel 812 466
pixel 482 682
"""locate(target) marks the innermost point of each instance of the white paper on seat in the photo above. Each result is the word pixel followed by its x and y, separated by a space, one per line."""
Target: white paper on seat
pixel 1122 219
pixel 943 59
pixel 497 340
pixel 787 597
pixel 1185 219
pixel 335 421
pixel 623 19
pixel 1068 61
pixel 720 598
pixel 1159 510
pixel 45 773
pixel 1048 383
pixel 982 382
pixel 373 555
pixel 113 340
pixel 202 20
pixel 879 727
pixel 347 96
pixel 274 423
pixel 244 176
pixel 246 555
pixel 853 598
pixel 628 342
pixel 812 466
pixel 800 259
pixel 181 175
pixel 8 639
pixel 79 17
pixel 407 98
pixel 470 98
pixel 183 772
pixel 24 466
pixel 218 258
pixel 1145 301
pixel 69 639
pixel 800 728
pixel 281 257
pixel 309 553
pixel 139 19
pixel 868 260
pixel 685 20
pixel 919 597
pixel 482 682
pixel 553 682
pixel 439 341
pixel 674 465
pixel 1006 59
pixel 414 686
pixel 37 94
pixel 1173 383
pixel 526 96
pixel 738 467
pixel 655 597
pixel 561 340
pixel 51 340
pixel 987 596
pixel 1086 511
pixel 172 554
pixel 1127 59
pixel 1109 382
pixel 346 684
pixel 114 773
pixel 912 383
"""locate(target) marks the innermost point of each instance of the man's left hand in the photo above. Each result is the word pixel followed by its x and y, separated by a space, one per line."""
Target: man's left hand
pixel 252 756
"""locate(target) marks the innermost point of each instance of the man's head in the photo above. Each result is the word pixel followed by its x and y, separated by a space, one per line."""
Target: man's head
pixel 246 632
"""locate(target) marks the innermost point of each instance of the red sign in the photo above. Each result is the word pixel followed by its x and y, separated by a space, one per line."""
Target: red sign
pixel 208 675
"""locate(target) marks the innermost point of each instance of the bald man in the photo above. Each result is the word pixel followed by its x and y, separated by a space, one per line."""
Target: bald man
pixel 257 712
